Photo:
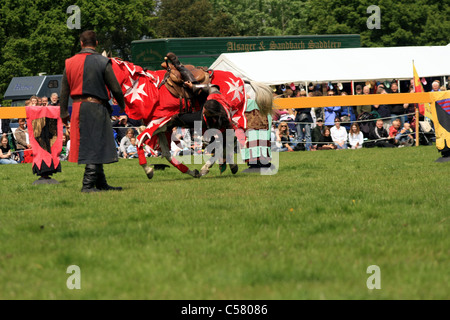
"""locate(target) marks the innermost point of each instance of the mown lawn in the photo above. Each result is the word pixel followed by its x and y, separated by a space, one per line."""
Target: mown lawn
pixel 308 232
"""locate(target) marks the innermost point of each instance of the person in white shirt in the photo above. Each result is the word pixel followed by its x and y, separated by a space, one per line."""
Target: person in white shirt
pixel 339 135
pixel 355 137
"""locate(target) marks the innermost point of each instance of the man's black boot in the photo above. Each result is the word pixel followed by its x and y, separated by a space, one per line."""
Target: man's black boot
pixel 89 179
pixel 101 183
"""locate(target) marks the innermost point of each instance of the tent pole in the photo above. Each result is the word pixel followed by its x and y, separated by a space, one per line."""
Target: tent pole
pixel 417 125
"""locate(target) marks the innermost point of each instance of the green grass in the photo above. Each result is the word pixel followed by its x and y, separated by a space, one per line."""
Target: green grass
pixel 308 232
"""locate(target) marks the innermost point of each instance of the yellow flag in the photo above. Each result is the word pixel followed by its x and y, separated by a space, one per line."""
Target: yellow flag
pixel 424 108
pixel 441 119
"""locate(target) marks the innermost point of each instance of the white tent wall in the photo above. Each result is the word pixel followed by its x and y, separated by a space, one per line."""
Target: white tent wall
pixel 336 65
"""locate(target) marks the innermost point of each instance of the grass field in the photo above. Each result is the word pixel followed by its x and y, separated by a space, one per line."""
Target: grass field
pixel 308 232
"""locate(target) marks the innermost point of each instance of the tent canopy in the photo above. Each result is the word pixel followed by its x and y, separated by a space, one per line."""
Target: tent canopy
pixel 336 65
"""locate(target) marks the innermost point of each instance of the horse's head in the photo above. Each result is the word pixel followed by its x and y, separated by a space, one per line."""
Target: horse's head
pixel 216 115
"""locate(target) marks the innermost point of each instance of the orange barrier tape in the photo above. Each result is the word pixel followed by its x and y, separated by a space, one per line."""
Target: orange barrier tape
pixel 357 100
pixel 12 112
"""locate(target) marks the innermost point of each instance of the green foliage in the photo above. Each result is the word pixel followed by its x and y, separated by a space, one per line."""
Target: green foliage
pixel 191 18
pixel 35 36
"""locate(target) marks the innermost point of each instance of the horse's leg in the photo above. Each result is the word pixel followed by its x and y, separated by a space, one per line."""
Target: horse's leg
pixel 165 150
pixel 143 162
pixel 208 165
pixel 141 155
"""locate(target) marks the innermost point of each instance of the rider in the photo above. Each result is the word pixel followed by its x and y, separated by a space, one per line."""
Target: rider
pixel 215 112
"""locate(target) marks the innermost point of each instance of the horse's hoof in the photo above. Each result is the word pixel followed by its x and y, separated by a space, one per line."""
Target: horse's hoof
pixel 222 167
pixel 203 172
pixel 148 172
pixel 234 168
pixel 195 173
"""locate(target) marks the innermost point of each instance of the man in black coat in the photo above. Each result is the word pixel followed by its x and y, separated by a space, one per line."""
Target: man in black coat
pixel 86 78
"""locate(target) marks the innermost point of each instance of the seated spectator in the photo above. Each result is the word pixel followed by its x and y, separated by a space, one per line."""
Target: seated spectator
pixel 380 136
pixel 125 142
pixel 132 149
pixel 348 115
pixel 317 133
pixel 404 136
pixel 394 130
pixel 339 135
pixel 6 156
pixel 178 146
pixel 284 138
pixel 325 141
pixel 65 147
pixel 355 137
pixel 22 138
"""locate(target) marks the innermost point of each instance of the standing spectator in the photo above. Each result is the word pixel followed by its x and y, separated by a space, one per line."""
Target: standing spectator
pixel 6 156
pixel 364 108
pixel 339 135
pixel 411 110
pixel 22 138
pixel 383 110
pixel 355 137
pixel 44 102
pixel 34 101
pixel 398 110
pixel 303 118
pixel 436 86
pixel 54 99
pixel 348 115
pixel 121 126
pixel 91 133
pixel 330 113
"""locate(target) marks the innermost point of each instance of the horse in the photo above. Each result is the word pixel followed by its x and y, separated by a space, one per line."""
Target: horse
pixel 150 96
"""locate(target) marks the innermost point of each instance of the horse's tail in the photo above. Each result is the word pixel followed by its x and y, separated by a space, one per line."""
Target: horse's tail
pixel 263 97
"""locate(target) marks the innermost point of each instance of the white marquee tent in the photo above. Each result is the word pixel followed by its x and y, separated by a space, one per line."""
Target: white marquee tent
pixel 337 65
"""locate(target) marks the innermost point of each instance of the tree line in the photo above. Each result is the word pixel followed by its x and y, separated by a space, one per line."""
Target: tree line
pixel 36 35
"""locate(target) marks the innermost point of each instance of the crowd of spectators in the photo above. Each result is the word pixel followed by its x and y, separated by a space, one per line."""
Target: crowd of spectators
pixel 339 127
pixel 310 129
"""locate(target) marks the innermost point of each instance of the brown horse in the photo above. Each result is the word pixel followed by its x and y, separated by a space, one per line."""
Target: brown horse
pixel 149 97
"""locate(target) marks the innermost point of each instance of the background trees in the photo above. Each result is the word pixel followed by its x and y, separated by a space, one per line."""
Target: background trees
pixel 34 36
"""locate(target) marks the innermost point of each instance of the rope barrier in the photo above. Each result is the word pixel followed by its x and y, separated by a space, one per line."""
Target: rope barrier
pixel 345 122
